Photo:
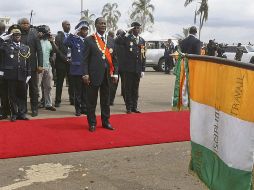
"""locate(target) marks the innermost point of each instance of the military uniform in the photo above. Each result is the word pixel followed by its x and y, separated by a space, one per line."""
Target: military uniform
pixel 16 71
pixel 133 67
pixel 76 44
pixel 4 108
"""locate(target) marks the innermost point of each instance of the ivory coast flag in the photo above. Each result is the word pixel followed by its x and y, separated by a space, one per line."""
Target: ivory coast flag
pixel 222 122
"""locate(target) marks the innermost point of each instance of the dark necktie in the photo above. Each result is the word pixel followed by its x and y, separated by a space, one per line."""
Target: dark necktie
pixel 102 38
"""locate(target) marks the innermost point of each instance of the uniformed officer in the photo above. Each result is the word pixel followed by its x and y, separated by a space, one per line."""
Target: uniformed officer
pixel 76 44
pixel 17 71
pixel 4 102
pixel 134 65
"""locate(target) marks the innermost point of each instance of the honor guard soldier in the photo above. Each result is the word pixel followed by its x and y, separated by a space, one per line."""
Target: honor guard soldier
pixel 4 102
pixel 17 71
pixel 133 66
pixel 76 44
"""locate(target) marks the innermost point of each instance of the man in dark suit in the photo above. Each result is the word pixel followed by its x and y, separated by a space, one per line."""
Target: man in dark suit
pixel 191 44
pixel 17 71
pixel 169 62
pixel 29 37
pixel 134 65
pixel 4 102
pixel 62 64
pixel 99 67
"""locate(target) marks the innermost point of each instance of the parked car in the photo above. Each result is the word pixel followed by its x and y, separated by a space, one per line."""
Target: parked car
pixel 155 54
pixel 248 52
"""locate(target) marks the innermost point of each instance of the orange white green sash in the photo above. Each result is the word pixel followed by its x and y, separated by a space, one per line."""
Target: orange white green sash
pixel 105 52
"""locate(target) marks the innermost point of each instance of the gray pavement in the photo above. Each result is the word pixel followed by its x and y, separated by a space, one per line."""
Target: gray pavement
pixel 153 167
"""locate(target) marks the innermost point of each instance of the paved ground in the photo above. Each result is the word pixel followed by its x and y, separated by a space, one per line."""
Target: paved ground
pixel 154 167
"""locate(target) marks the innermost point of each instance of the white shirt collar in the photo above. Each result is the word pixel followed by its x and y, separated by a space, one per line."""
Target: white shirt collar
pixel 192 35
pixel 104 35
pixel 66 34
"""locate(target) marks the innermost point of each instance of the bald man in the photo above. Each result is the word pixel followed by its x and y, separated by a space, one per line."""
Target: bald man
pixel 62 64
pixel 29 37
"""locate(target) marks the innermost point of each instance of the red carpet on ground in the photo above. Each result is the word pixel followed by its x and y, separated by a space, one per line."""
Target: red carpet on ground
pixel 51 136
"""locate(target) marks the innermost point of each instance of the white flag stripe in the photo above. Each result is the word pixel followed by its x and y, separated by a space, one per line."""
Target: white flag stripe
pixel 235 142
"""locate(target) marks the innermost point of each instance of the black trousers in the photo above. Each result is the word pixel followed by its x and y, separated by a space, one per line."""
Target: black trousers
pixel 33 90
pixel 169 64
pixel 60 75
pixel 79 93
pixel 122 76
pixel 5 107
pixel 113 88
pixel 92 96
pixel 17 96
pixel 131 90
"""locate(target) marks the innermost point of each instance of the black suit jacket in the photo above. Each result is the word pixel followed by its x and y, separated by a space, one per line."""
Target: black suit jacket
pixel 191 45
pixel 94 64
pixel 134 59
pixel 62 50
pixel 31 39
pixel 16 66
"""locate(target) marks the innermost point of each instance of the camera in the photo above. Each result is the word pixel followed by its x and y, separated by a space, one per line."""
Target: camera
pixel 44 29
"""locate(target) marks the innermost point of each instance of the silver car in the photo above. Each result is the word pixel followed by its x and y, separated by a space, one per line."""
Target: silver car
pixel 155 54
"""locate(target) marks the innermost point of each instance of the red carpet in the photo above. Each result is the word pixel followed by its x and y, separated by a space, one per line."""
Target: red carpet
pixel 50 136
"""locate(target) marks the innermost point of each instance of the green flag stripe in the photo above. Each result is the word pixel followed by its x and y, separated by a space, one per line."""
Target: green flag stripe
pixel 215 173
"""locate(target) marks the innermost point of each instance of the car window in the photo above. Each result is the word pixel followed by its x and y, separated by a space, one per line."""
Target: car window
pixel 250 48
pixel 230 49
pixel 152 45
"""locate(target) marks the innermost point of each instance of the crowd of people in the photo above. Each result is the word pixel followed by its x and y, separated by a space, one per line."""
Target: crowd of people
pixel 31 58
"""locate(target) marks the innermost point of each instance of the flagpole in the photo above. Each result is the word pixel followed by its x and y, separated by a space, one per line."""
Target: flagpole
pixel 81 12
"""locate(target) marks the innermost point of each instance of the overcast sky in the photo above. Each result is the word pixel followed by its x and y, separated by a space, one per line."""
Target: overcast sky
pixel 229 21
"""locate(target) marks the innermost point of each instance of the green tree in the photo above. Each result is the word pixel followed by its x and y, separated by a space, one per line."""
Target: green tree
pixel 86 16
pixel 111 14
pixel 202 12
pixel 143 12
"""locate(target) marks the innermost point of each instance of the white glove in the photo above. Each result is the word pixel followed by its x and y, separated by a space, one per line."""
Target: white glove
pixel 5 37
pixel 1 73
pixel 28 78
pixel 142 74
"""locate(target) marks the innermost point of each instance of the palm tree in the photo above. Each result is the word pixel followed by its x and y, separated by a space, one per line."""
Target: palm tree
pixel 86 16
pixel 111 14
pixel 143 13
pixel 202 12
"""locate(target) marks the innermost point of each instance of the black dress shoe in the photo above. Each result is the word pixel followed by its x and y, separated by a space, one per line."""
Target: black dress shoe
pixel 34 113
pixel 92 128
pixel 13 118
pixel 78 113
pixel 3 117
pixel 51 108
pixel 107 126
pixel 135 111
pixel 23 118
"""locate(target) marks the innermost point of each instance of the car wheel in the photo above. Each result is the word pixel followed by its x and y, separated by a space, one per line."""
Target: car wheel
pixel 161 65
